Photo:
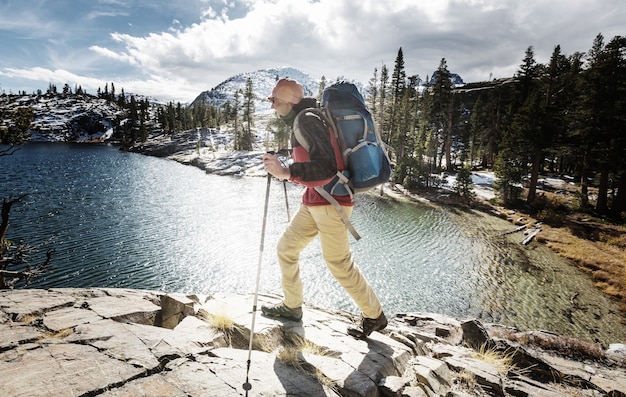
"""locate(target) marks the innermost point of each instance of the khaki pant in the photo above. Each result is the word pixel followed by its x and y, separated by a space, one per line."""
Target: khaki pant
pixel 335 243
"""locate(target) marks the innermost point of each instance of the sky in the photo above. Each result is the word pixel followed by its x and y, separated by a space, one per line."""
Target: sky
pixel 174 50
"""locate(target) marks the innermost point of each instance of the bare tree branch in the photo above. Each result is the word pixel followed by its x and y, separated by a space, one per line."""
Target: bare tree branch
pixel 9 151
pixel 14 260
pixel 8 278
pixel 6 209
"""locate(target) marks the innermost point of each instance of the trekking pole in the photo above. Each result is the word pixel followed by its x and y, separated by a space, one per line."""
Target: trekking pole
pixel 247 386
pixel 284 183
pixel 286 200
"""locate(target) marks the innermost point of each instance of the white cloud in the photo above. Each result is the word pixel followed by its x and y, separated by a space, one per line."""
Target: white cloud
pixel 335 38
pixel 118 56
pixel 344 37
pixel 102 14
pixel 147 86
pixel 53 76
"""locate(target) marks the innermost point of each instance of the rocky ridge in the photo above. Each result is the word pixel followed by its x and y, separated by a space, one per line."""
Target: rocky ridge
pixel 121 342
pixel 63 118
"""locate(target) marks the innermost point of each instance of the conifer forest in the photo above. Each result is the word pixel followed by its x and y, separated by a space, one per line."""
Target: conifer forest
pixel 563 118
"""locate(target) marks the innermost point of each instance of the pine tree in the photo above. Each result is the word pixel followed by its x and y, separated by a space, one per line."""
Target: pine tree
pixel 406 135
pixel 517 146
pixel 372 94
pixel 247 138
pixel 382 95
pixel 425 143
pixel 199 114
pixel 17 132
pixel 121 100
pixel 322 87
pixel 527 74
pixel 398 86
pixel 443 112
pixel 171 118
pixel 464 186
pixel 237 133
pixel 133 122
pixel 280 131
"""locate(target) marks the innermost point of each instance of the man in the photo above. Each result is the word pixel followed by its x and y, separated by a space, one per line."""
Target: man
pixel 316 216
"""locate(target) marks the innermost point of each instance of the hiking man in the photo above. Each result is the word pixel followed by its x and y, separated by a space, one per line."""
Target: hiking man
pixel 316 216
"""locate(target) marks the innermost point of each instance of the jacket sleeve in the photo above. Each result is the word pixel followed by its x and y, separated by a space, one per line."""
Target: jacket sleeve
pixel 322 164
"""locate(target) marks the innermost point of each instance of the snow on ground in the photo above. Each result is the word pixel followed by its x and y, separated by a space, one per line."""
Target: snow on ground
pixel 59 118
pixel 482 180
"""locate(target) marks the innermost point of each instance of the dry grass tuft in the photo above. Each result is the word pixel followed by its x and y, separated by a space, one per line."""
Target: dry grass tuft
pixel 604 260
pixel 234 335
pixel 29 319
pixel 501 361
pixel 62 333
pixel 221 321
pixel 467 379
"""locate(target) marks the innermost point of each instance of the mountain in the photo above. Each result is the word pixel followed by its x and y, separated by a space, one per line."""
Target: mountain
pixel 454 78
pixel 263 82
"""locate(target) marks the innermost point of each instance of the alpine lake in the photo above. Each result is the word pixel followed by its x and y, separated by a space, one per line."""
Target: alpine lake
pixel 124 220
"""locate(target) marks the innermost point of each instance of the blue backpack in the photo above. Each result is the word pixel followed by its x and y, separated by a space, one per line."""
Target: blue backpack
pixel 364 154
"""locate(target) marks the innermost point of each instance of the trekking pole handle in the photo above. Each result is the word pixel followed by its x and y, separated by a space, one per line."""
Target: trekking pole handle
pixel 284 181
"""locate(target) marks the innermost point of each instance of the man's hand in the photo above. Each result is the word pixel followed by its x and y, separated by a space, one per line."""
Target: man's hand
pixel 273 165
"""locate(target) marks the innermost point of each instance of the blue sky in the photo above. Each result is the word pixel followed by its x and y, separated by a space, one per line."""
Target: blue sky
pixel 173 50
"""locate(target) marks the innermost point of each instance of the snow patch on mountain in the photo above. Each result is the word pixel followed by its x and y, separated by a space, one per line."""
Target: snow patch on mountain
pixel 263 81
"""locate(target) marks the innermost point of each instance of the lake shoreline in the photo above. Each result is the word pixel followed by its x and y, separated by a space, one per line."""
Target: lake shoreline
pixel 560 240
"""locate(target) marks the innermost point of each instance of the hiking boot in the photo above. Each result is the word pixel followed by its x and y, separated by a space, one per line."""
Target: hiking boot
pixel 368 325
pixel 279 310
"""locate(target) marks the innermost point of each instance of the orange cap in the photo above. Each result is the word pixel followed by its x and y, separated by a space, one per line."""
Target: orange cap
pixel 287 90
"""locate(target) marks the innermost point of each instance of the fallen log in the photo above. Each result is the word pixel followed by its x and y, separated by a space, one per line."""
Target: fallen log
pixel 530 236
pixel 517 229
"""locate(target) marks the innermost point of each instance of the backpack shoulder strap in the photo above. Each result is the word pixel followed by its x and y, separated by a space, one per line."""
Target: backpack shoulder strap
pixel 297 132
pixel 340 211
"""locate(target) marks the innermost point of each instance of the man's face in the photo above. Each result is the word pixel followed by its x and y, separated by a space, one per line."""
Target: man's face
pixel 282 108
